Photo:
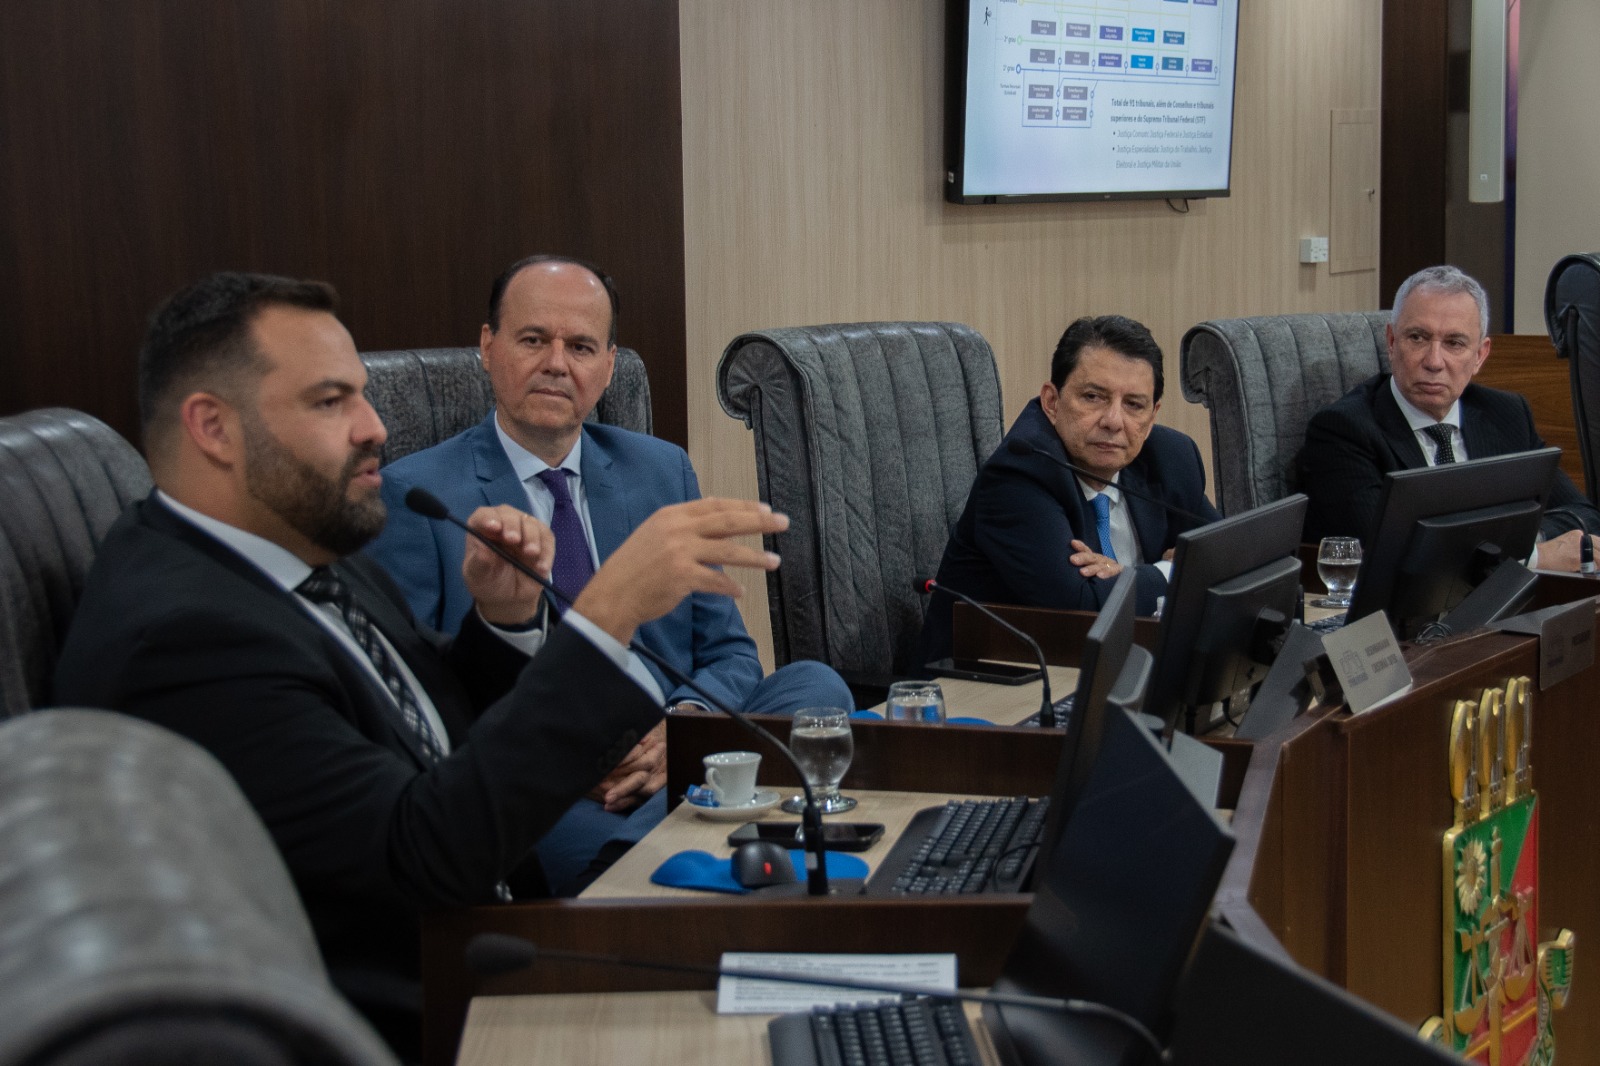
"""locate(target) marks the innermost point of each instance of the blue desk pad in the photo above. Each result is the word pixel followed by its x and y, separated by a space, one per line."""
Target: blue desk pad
pixel 704 871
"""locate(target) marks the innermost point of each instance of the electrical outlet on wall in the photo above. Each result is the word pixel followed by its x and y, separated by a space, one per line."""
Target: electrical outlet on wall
pixel 1313 249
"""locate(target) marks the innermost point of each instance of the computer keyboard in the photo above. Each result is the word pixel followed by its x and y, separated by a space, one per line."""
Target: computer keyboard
pixel 962 847
pixel 1331 624
pixel 911 1032
pixel 1062 709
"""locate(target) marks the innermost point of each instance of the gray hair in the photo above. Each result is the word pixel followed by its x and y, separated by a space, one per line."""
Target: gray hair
pixel 1447 280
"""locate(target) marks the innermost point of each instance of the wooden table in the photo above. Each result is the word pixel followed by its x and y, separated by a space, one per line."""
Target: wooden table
pixel 637 1028
pixel 684 829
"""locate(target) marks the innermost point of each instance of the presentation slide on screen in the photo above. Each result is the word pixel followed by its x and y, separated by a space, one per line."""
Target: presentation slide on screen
pixel 1116 96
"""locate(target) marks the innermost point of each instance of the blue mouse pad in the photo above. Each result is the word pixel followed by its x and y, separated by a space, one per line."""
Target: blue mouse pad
pixel 701 870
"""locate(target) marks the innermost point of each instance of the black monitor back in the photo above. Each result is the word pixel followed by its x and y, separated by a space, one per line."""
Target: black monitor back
pixel 1117 906
pixel 1420 561
pixel 1222 574
pixel 1240 1004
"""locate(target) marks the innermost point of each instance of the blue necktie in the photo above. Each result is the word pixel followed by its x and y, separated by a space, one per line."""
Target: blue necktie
pixel 573 567
pixel 1102 524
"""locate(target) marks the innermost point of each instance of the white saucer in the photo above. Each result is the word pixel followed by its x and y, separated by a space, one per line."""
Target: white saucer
pixel 764 800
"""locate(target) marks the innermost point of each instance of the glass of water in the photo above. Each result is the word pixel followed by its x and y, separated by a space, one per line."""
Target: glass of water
pixel 1338 563
pixel 915 701
pixel 823 746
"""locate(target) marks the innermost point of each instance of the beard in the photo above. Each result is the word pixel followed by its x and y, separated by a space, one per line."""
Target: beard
pixel 315 505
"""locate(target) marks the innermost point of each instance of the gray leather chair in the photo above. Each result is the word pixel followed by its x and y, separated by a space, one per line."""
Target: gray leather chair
pixel 1262 379
pixel 868 436
pixel 427 395
pixel 145 915
pixel 1572 315
pixel 64 478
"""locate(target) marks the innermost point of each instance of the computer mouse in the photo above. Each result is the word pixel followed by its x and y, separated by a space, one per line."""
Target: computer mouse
pixel 761 863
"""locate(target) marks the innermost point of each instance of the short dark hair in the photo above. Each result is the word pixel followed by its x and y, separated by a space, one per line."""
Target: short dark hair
pixel 199 338
pixel 497 290
pixel 1122 335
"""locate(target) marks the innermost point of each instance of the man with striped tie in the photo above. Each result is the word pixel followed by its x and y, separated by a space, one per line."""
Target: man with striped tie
pixel 396 771
pixel 1428 411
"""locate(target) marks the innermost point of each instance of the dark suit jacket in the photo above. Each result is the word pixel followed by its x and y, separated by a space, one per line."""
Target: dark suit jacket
pixel 628 477
pixel 1352 443
pixel 1013 540
pixel 176 628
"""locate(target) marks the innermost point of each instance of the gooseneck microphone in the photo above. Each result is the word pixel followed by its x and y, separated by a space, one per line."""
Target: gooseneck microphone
pixel 428 505
pixel 493 954
pixel 1047 709
pixel 1023 447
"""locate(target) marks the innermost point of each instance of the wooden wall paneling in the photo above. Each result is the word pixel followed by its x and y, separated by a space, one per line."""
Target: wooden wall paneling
pixel 812 161
pixel 1353 178
pixel 1415 110
pixel 404 150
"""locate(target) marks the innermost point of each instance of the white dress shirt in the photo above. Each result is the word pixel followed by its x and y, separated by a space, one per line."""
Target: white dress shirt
pixel 1419 421
pixel 1124 538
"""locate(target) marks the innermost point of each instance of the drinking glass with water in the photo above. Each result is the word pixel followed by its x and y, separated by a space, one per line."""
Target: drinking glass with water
pixel 1338 563
pixel 823 746
pixel 915 701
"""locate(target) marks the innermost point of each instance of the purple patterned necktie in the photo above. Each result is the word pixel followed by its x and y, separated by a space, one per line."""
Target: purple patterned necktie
pixel 573 567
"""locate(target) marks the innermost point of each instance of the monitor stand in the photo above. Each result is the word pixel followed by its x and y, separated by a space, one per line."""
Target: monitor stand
pixel 1501 595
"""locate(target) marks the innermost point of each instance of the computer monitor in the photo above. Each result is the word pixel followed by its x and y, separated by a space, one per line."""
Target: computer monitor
pixel 1444 530
pixel 1241 1003
pixel 1235 586
pixel 1112 672
pixel 1117 908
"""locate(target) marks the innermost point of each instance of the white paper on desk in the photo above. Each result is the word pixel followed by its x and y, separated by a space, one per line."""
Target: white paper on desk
pixel 743 995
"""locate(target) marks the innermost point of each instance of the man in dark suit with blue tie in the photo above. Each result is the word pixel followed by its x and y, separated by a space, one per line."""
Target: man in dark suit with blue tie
pixel 549 346
pixel 1427 411
pixel 1036 534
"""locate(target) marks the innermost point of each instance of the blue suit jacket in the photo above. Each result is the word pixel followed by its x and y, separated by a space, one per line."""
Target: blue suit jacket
pixel 1013 539
pixel 627 477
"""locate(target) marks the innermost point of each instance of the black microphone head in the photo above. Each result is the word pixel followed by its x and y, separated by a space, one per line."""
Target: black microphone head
pixel 1019 447
pixel 491 954
pixel 924 584
pixel 426 503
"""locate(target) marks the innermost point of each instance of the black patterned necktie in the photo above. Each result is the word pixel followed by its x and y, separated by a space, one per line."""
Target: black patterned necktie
pixel 573 567
pixel 1440 432
pixel 324 586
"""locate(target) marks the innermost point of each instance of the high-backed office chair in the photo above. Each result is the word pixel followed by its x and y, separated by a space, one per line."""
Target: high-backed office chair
pixel 427 395
pixel 1262 379
pixel 1572 315
pixel 868 436
pixel 145 915
pixel 64 478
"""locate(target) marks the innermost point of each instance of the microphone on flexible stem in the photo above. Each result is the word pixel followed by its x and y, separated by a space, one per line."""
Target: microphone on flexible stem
pixel 493 954
pixel 428 505
pixel 1047 709
pixel 1023 447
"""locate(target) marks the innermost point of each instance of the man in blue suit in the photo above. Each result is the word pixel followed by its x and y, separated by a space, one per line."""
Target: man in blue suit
pixel 549 347
pixel 1036 534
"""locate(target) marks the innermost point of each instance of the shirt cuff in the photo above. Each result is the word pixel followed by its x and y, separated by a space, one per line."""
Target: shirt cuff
pixel 1165 566
pixel 529 641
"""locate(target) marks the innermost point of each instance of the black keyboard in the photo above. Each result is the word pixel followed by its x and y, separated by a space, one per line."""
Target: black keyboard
pixel 1331 624
pixel 1062 709
pixel 966 846
pixel 911 1032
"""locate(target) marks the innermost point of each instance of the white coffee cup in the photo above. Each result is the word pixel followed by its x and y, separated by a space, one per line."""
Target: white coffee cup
pixel 731 775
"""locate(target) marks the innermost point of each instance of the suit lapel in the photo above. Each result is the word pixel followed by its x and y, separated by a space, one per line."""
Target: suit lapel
pixel 1396 430
pixel 609 515
pixel 497 479
pixel 1149 520
pixel 1480 432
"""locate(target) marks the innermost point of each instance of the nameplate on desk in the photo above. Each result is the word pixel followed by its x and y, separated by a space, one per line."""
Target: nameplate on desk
pixel 744 995
pixel 1566 638
pixel 1366 658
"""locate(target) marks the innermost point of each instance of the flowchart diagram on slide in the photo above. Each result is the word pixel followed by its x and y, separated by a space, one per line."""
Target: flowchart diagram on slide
pixel 1059 59
pixel 1099 96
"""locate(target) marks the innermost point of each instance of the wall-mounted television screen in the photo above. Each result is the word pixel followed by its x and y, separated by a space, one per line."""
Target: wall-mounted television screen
pixel 1089 100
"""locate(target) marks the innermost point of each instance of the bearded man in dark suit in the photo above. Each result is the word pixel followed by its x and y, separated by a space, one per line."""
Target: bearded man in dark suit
pixel 395 770
pixel 1425 412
